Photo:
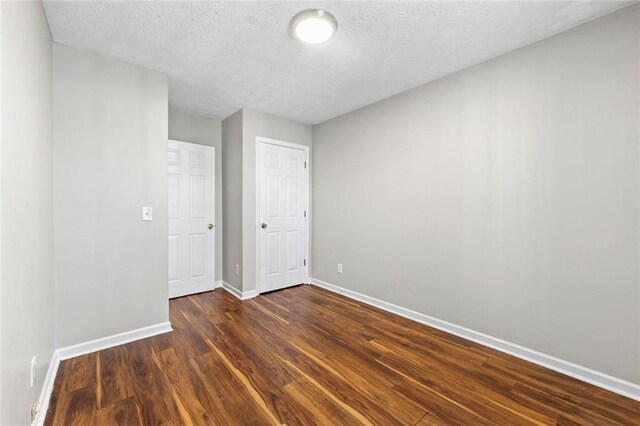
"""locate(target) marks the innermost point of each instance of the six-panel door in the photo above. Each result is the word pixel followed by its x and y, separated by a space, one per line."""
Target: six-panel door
pixel 191 211
pixel 283 216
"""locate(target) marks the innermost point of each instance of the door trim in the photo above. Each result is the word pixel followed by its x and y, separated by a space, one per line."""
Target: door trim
pixel 305 149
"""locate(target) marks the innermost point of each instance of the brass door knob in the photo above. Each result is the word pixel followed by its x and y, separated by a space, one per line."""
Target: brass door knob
pixel 211 226
pixel 263 226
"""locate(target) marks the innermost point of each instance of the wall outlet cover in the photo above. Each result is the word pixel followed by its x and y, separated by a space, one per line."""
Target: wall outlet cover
pixel 35 408
pixel 147 213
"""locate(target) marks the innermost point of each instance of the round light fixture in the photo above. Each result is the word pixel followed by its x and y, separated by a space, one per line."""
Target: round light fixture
pixel 313 26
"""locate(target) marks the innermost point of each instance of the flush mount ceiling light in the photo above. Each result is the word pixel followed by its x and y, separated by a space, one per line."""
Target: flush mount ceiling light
pixel 313 26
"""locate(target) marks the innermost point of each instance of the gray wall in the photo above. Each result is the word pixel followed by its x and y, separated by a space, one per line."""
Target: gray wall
pixel 110 139
pixel 26 323
pixel 203 131
pixel 239 132
pixel 232 199
pixel 269 126
pixel 502 198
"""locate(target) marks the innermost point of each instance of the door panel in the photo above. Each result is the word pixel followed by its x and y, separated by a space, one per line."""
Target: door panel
pixel 174 157
pixel 283 197
pixel 174 258
pixel 198 255
pixel 292 250
pixel 191 208
pixel 293 196
pixel 273 196
pixel 273 252
pixel 197 185
pixel 197 160
pixel 174 196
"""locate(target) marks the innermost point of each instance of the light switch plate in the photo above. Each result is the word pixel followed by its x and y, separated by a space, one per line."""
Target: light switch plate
pixel 147 213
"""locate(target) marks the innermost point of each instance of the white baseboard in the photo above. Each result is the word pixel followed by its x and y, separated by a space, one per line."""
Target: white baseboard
pixel 231 289
pixel 249 294
pixel 242 295
pixel 47 388
pixel 113 340
pixel 85 348
pixel 605 381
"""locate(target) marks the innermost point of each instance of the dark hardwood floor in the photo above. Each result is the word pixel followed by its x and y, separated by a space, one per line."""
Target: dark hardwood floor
pixel 307 356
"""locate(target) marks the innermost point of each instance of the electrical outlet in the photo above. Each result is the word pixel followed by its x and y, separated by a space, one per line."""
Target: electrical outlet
pixel 147 213
pixel 339 268
pixel 237 269
pixel 35 408
pixel 33 370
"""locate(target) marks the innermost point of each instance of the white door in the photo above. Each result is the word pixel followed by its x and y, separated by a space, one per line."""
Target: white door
pixel 283 204
pixel 191 211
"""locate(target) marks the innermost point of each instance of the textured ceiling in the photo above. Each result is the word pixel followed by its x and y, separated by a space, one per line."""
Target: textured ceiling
pixel 222 56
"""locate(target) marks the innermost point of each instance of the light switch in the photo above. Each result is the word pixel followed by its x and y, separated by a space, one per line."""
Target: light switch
pixel 147 213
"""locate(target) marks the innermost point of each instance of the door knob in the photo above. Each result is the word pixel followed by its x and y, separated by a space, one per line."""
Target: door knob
pixel 211 226
pixel 263 226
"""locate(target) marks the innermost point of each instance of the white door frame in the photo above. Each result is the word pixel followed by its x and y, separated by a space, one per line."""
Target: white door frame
pixel 305 149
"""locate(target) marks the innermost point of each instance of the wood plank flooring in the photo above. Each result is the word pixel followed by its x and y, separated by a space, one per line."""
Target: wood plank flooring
pixel 307 356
